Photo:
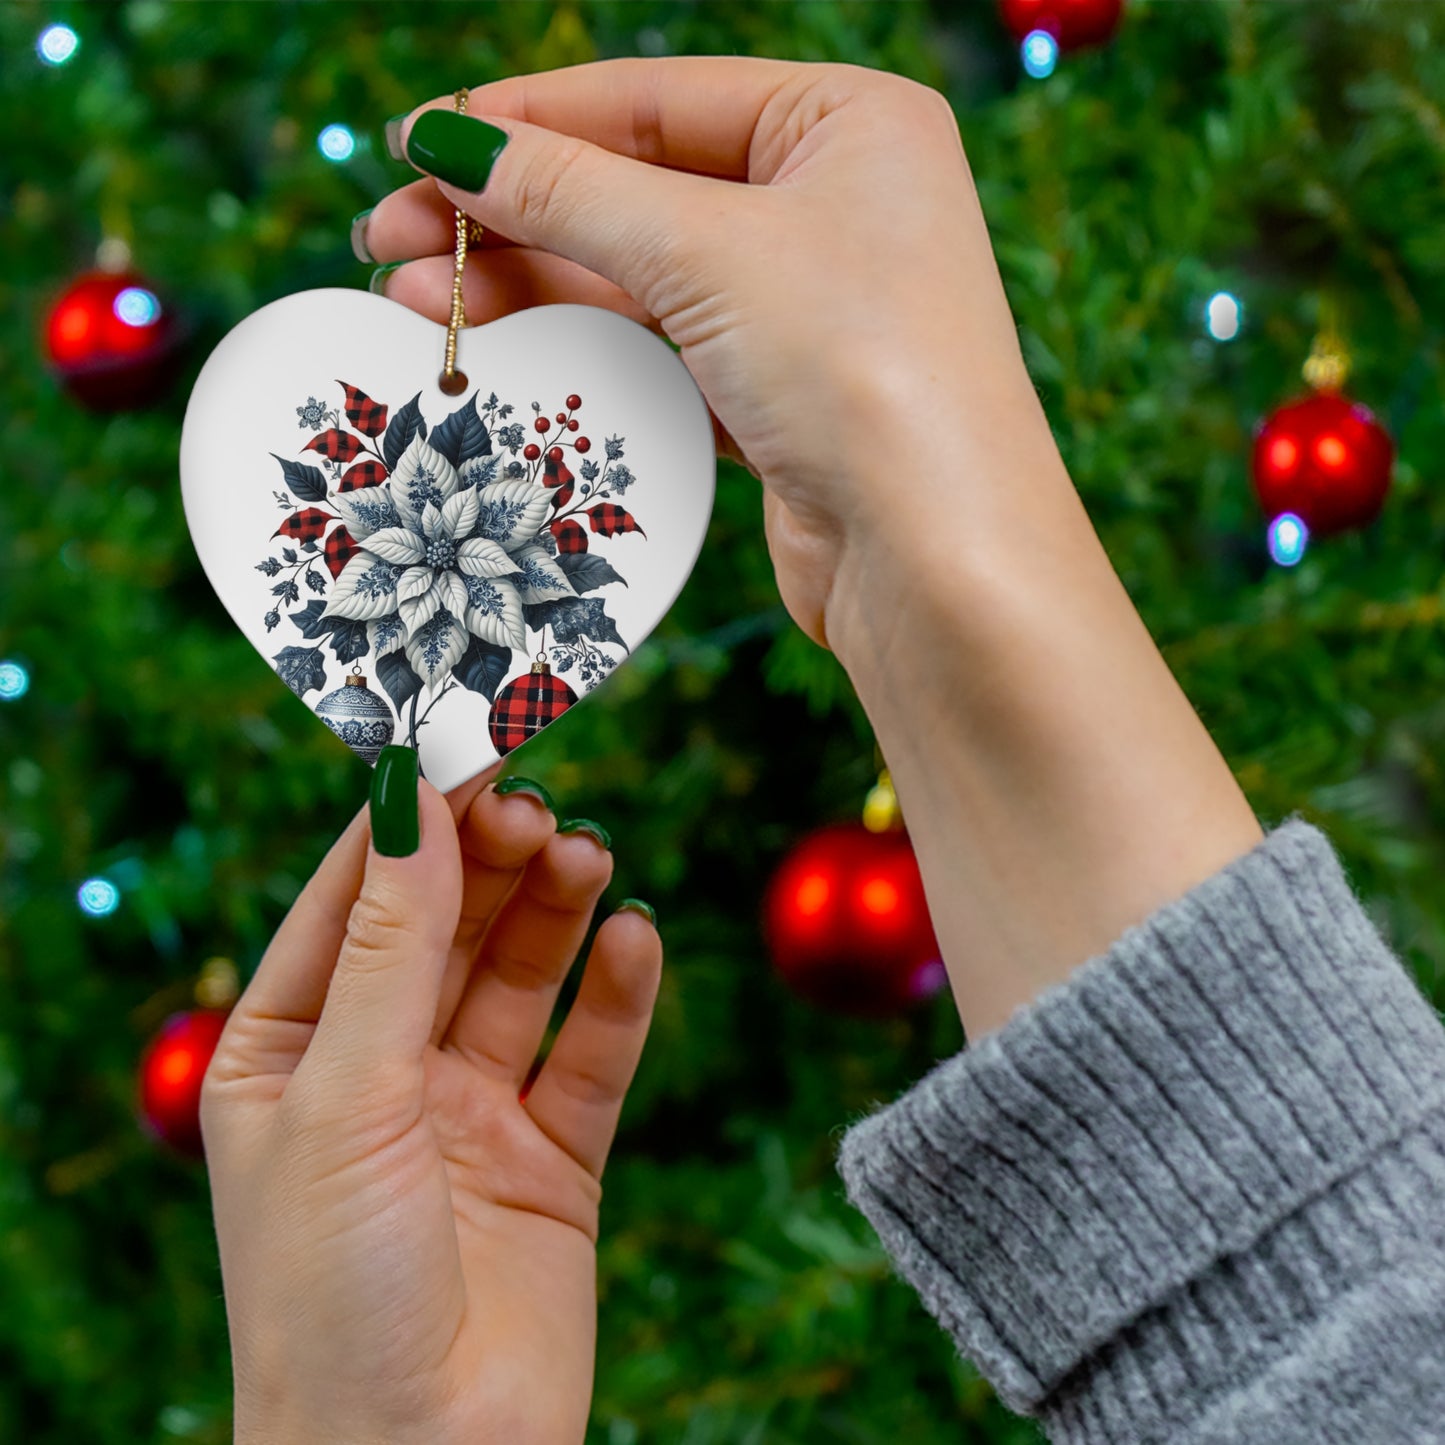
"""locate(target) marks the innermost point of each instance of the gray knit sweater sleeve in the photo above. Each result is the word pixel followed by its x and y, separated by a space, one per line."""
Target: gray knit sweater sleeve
pixel 1196 1192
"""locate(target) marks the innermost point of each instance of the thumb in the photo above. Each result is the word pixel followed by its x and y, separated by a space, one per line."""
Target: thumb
pixel 382 1000
pixel 634 224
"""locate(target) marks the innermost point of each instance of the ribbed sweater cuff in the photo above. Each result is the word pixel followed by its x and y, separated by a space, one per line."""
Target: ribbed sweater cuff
pixel 1119 1147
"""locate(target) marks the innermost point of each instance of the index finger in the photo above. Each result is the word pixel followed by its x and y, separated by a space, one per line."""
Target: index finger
pixel 696 113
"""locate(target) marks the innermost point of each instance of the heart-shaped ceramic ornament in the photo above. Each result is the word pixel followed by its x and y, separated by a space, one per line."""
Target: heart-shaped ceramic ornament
pixel 449 572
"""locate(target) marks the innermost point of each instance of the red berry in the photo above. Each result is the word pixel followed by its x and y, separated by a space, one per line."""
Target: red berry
pixel 531 451
pixel 573 402
pixel 542 423
pixel 561 416
pixel 554 454
pixel 582 444
pixel 573 424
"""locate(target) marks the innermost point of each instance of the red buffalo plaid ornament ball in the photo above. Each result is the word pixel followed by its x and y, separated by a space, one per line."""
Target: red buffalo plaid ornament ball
pixel 526 705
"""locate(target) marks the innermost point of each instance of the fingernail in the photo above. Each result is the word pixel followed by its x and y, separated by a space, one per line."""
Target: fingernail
pixel 455 148
pixel 393 136
pixel 359 248
pixel 636 905
pixel 511 785
pixel 377 284
pixel 395 813
pixel 586 825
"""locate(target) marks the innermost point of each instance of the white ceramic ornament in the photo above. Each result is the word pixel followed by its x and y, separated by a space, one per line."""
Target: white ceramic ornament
pixel 394 553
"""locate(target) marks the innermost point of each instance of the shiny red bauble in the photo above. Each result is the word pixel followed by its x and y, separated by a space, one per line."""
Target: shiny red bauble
pixel 171 1071
pixel 1324 458
pixel 847 924
pixel 1073 23
pixel 112 341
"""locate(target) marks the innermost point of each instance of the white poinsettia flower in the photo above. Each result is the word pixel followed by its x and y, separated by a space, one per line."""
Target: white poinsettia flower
pixel 443 556
pixel 422 475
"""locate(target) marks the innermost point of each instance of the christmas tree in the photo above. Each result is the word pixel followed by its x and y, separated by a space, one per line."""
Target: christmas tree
pixel 1212 162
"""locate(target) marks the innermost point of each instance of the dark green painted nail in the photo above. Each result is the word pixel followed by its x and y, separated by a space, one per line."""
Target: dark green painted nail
pixel 636 905
pixel 586 825
pixel 395 820
pixel 377 284
pixel 393 136
pixel 359 248
pixel 455 148
pixel 514 784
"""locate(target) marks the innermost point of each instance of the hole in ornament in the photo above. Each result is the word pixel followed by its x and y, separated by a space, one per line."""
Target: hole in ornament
pixel 454 384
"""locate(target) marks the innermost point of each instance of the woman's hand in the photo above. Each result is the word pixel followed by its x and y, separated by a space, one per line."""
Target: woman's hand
pixel 810 237
pixel 407 1247
pixel 846 292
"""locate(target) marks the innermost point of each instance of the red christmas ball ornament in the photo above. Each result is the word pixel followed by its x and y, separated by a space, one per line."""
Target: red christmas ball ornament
pixel 847 924
pixel 111 341
pixel 526 705
pixel 1072 23
pixel 171 1071
pixel 1326 459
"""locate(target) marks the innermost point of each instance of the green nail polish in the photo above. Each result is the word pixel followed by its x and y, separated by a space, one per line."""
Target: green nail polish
pixel 514 784
pixel 359 248
pixel 586 825
pixel 455 148
pixel 393 136
pixel 377 284
pixel 395 820
pixel 636 905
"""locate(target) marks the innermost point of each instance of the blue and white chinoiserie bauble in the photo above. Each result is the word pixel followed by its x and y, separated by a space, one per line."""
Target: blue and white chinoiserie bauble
pixel 360 718
pixel 350 510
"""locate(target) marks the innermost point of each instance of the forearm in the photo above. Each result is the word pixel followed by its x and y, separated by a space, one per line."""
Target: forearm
pixel 1057 784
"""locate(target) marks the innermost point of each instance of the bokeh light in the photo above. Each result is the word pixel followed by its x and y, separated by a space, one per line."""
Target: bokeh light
pixel 1040 52
pixel 14 681
pixel 1288 538
pixel 1223 316
pixel 98 897
pixel 137 307
pixel 336 143
pixel 57 44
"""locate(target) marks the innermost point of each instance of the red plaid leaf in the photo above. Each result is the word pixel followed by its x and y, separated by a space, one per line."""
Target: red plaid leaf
pixel 562 496
pixel 610 519
pixel 339 550
pixel 555 474
pixel 369 473
pixel 570 536
pixel 306 525
pixel 367 416
pixel 340 446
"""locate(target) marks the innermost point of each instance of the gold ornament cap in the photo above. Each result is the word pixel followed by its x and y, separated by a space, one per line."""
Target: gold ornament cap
pixel 881 813
pixel 219 985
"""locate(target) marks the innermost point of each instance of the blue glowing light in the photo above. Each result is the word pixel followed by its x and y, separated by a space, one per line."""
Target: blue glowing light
pixel 57 44
pixel 98 897
pixel 336 143
pixel 137 307
pixel 14 681
pixel 1040 52
pixel 1223 316
pixel 1288 538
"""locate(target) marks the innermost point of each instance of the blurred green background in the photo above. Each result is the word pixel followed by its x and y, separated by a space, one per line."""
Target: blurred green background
pixel 1287 153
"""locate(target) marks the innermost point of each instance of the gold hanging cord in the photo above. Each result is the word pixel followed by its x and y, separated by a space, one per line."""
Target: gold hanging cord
pixel 452 381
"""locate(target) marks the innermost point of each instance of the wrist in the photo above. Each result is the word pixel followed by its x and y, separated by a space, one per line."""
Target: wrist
pixel 1057 784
